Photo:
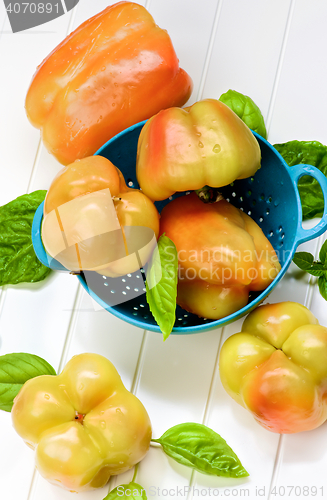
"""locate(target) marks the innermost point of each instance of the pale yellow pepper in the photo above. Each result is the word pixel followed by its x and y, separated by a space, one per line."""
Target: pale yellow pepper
pixel 83 424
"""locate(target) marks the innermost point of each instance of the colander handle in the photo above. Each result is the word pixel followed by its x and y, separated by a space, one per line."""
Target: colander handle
pixel 296 173
pixel 38 245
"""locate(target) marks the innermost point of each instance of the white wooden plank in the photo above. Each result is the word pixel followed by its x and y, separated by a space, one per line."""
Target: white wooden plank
pixel 300 108
pixel 96 330
pixel 33 321
pixel 42 487
pixel 174 387
pixel 3 16
pixel 318 303
pixel 191 49
pixel 246 49
pixel 302 461
pixel 254 446
pixel 20 53
pixel 176 376
pixel 16 461
pixel 35 318
pixel 299 114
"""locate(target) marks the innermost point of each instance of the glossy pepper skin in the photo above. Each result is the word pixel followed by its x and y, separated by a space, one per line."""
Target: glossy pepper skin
pixel 83 424
pixel 276 367
pixel 222 255
pixel 93 221
pixel 116 69
pixel 186 149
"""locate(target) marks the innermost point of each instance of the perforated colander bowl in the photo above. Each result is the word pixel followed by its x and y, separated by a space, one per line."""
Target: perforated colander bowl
pixel 270 197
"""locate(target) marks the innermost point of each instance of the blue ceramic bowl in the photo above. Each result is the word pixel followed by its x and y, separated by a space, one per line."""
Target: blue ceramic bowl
pixel 270 197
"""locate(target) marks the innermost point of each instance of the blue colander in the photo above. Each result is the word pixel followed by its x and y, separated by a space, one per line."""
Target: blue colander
pixel 270 197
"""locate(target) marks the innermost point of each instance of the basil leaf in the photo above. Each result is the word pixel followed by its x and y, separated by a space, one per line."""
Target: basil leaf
pixel 132 490
pixel 15 370
pixel 322 283
pixel 303 260
pixel 161 284
pixel 199 447
pixel 245 109
pixel 312 153
pixel 323 253
pixel 317 269
pixel 18 262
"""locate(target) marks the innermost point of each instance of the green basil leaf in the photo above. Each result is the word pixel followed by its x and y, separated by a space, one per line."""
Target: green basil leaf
pixel 15 370
pixel 161 284
pixel 303 260
pixel 18 262
pixel 322 283
pixel 199 447
pixel 133 491
pixel 245 109
pixel 317 269
pixel 323 253
pixel 312 153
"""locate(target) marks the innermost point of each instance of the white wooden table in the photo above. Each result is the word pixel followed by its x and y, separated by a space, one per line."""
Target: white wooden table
pixel 271 50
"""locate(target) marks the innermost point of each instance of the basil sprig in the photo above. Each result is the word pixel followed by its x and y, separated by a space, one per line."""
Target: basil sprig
pixel 161 284
pixel 313 153
pixel 132 490
pixel 18 262
pixel 305 261
pixel 15 370
pixel 246 109
pixel 199 447
pixel 195 446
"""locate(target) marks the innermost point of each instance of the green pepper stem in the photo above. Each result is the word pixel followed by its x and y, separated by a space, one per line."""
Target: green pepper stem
pixel 209 194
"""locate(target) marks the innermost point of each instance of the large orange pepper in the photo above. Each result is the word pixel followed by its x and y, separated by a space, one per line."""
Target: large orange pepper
pixel 222 254
pixel 116 69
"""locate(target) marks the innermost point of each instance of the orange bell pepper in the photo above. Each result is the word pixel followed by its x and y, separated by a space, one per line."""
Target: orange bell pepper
pixel 116 69
pixel 185 149
pixel 222 255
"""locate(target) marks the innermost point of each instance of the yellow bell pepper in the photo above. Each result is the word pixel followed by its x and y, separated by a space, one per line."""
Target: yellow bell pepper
pixel 83 424
pixel 276 367
pixel 93 221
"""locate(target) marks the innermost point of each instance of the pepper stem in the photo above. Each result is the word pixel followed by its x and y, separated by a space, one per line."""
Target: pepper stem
pixel 79 417
pixel 209 194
